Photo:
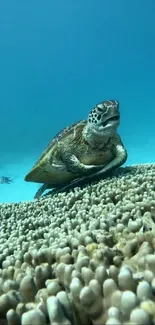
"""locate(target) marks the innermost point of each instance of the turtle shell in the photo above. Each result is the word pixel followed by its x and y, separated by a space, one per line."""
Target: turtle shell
pixel 48 169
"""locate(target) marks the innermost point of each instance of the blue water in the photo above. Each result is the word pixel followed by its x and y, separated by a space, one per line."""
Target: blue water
pixel 57 60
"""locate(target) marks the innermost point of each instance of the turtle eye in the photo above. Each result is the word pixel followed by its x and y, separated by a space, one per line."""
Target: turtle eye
pixel 99 109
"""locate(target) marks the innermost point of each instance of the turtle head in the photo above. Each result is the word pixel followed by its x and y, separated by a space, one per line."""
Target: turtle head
pixel 104 119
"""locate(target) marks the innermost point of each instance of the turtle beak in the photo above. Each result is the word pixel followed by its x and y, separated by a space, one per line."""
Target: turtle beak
pixel 111 120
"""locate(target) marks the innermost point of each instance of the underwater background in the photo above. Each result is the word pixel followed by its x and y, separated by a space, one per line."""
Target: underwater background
pixel 57 60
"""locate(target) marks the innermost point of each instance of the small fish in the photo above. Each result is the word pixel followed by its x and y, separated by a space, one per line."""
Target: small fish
pixel 5 180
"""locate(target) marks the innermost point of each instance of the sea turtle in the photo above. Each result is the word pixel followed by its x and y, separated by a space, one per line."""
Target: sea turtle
pixel 88 147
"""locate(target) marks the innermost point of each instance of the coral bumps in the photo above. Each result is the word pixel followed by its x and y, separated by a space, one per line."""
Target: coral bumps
pixel 85 257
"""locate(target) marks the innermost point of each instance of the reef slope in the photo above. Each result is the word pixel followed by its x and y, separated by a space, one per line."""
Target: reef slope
pixel 82 257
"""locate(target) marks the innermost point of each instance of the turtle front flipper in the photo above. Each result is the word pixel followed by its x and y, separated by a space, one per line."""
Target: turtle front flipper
pixel 120 159
pixel 74 166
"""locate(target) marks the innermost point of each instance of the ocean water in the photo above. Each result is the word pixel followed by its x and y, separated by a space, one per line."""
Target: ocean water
pixel 57 60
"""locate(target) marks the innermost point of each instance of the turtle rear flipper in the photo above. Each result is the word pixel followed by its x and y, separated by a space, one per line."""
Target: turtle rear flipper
pixel 40 191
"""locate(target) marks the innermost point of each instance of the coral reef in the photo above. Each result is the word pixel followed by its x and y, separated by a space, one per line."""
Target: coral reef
pixel 82 257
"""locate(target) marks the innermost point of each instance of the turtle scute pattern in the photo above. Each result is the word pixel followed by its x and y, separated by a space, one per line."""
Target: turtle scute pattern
pixel 85 257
